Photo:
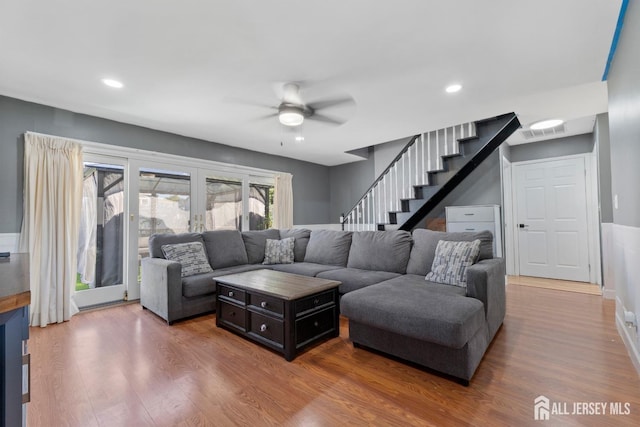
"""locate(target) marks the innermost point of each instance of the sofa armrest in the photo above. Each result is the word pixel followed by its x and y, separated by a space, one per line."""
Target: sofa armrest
pixel 161 287
pixel 486 282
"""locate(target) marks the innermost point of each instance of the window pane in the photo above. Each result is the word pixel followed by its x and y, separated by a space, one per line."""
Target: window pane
pixel 100 243
pixel 224 205
pixel 260 206
pixel 165 205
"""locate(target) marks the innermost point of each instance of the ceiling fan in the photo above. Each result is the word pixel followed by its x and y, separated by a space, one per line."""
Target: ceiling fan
pixel 292 111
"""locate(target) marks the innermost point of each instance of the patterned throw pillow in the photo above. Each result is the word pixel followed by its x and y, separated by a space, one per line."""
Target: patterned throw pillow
pixel 191 255
pixel 452 260
pixel 279 251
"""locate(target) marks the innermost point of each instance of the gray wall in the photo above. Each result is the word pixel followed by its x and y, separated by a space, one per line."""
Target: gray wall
pixel 624 133
pixel 310 181
pixel 576 144
pixel 624 120
pixel 603 148
pixel 350 181
pixel 347 183
pixel 482 187
pixel 384 154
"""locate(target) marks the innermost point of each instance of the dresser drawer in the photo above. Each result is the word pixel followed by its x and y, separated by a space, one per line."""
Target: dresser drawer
pixel 470 213
pixel 267 328
pixel 270 304
pixel 313 302
pixel 231 293
pixel 472 227
pixel 313 326
pixel 232 315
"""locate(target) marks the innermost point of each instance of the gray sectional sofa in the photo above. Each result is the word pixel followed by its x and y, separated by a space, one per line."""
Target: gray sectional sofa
pixel 390 306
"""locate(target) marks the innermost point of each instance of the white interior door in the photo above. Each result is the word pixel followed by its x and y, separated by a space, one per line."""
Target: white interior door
pixel 551 219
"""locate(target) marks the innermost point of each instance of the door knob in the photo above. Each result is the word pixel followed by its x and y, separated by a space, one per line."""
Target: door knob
pixel 522 225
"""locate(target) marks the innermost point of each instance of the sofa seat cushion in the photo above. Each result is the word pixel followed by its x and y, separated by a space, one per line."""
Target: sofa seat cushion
pixel 413 310
pixel 200 284
pixel 204 284
pixel 414 279
pixel 380 250
pixel 304 268
pixel 355 278
pixel 242 269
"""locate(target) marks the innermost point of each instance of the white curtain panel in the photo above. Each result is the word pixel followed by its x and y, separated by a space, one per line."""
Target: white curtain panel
pixel 283 201
pixel 51 223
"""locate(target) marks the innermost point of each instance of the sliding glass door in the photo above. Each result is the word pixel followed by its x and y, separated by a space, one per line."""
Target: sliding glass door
pixel 101 256
pixel 126 201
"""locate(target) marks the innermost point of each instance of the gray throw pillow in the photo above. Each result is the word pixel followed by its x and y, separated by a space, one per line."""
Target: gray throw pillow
pixel 452 260
pixel 191 255
pixel 279 251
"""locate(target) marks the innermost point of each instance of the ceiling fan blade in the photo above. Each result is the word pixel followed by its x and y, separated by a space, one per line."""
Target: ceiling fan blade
pixel 319 105
pixel 240 101
pixel 265 117
pixel 326 119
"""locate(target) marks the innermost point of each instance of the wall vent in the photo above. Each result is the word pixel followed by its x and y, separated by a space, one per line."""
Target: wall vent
pixel 531 133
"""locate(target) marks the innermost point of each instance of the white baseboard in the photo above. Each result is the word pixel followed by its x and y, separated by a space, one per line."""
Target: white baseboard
pixel 320 226
pixel 609 293
pixel 628 335
pixel 9 242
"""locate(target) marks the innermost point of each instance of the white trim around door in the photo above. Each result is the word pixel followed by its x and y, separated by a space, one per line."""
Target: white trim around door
pixel 591 194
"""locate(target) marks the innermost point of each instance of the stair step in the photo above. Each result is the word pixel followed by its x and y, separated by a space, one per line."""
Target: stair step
pixel 425 191
pixel 388 227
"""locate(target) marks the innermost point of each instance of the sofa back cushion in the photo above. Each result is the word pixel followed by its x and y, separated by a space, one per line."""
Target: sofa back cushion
pixel 301 236
pixel 225 248
pixel 380 251
pixel 156 241
pixel 328 247
pixel 426 241
pixel 255 241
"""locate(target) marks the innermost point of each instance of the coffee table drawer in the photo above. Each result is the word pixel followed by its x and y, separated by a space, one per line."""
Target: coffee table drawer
pixel 267 328
pixel 232 293
pixel 268 303
pixel 313 326
pixel 304 305
pixel 232 315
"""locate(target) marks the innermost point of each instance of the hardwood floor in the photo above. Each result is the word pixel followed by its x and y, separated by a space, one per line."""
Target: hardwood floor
pixel 560 285
pixel 123 366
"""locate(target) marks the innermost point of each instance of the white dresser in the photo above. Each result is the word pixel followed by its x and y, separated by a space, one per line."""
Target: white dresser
pixel 477 218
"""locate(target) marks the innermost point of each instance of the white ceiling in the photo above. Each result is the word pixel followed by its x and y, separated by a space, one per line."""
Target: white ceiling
pixel 189 66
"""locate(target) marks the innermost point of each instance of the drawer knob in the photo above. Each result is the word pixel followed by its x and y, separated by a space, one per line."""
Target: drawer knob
pixel 315 324
pixel 263 304
pixel 316 301
pixel 232 314
pixel 230 293
pixel 263 327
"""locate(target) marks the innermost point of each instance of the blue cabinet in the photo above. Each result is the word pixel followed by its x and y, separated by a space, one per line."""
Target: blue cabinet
pixel 14 330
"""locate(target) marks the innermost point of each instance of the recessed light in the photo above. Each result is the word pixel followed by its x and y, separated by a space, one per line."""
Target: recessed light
pixel 453 88
pixel 299 138
pixel 113 83
pixel 546 124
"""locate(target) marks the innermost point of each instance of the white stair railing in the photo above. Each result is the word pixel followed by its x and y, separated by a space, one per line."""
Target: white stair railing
pixel 410 168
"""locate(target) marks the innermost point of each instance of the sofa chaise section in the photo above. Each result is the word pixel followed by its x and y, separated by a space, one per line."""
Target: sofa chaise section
pixel 443 327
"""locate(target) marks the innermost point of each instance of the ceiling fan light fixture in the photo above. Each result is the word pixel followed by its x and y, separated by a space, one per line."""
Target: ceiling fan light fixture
pixel 456 87
pixel 546 124
pixel 116 84
pixel 290 116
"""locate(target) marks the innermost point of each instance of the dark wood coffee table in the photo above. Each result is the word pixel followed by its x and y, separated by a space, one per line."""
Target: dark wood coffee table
pixel 285 312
